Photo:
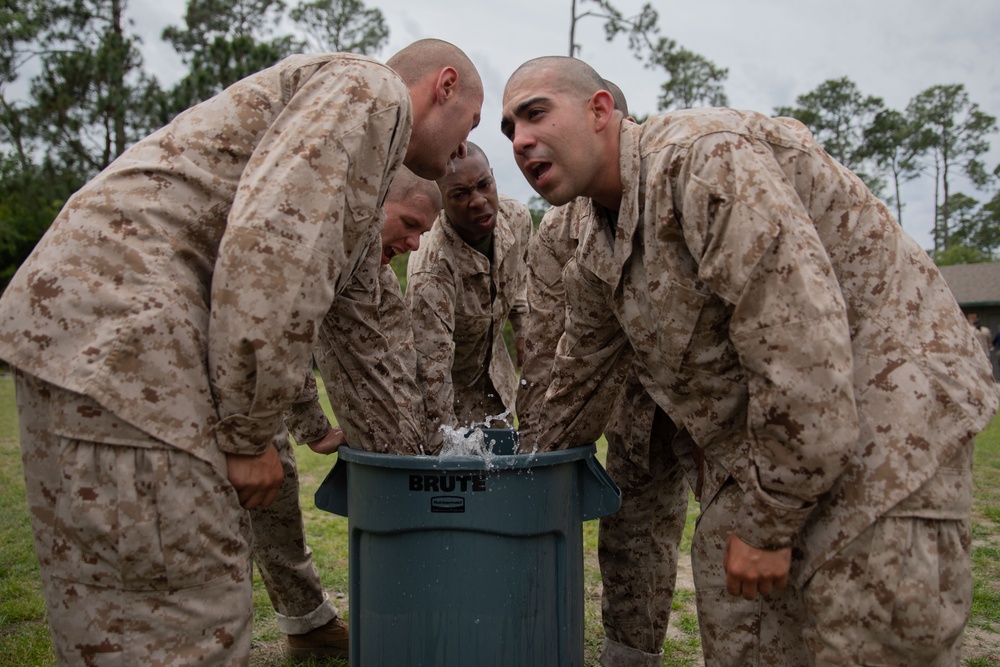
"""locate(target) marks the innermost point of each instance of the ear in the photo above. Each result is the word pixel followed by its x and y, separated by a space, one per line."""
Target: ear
pixel 602 105
pixel 446 84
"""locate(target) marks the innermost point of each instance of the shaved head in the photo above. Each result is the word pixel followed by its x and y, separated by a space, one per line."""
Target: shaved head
pixel 574 75
pixel 446 94
pixel 619 96
pixel 425 57
pixel 406 185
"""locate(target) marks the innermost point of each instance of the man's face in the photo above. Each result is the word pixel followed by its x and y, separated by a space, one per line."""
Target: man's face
pixel 405 221
pixel 441 134
pixel 553 137
pixel 470 198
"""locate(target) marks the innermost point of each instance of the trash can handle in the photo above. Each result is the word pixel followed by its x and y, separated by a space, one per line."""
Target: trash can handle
pixel 599 495
pixel 331 496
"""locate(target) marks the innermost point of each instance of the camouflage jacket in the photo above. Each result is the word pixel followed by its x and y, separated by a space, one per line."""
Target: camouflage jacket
pixel 459 302
pixel 778 313
pixel 361 381
pixel 183 287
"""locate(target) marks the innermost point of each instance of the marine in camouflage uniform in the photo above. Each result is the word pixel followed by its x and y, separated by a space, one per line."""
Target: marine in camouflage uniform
pixel 810 348
pixel 303 608
pixel 638 544
pixel 165 322
pixel 460 297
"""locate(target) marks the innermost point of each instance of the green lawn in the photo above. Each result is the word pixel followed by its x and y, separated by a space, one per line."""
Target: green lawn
pixel 24 638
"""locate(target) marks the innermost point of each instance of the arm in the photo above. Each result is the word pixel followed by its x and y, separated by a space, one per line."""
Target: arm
pixel 308 193
pixel 758 249
pixel 591 362
pixel 305 419
pixel 430 297
pixel 368 373
pixel 546 318
pixel 519 311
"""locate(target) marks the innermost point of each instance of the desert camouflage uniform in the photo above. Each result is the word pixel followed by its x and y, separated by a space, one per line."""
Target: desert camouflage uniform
pixel 638 543
pixel 780 315
pixel 459 302
pixel 279 543
pixel 180 292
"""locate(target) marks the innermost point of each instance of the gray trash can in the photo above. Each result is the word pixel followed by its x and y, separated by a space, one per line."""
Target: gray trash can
pixel 464 561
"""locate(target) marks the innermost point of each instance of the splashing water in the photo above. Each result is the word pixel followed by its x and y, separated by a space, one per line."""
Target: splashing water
pixel 471 440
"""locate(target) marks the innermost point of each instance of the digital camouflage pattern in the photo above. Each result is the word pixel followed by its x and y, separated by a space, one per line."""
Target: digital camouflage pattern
pixel 179 294
pixel 736 632
pixel 638 544
pixel 143 548
pixel 459 301
pixel 183 287
pixel 279 547
pixel 780 315
pixel 284 559
pixel 809 348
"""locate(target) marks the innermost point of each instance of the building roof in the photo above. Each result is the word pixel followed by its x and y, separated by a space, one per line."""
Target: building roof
pixel 974 284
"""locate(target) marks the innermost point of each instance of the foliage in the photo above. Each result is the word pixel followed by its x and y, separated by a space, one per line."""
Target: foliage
pixel 537 206
pixel 342 25
pixel 889 142
pixel 223 41
pixel 30 197
pixel 954 130
pixel 693 80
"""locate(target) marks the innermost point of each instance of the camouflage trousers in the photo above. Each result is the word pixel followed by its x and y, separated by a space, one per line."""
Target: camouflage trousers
pixel 638 544
pixel 765 632
pixel 283 557
pixel 898 595
pixel 143 549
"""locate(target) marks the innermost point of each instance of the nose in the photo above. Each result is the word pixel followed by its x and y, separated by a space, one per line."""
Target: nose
pixel 521 139
pixel 478 199
pixel 413 242
pixel 461 152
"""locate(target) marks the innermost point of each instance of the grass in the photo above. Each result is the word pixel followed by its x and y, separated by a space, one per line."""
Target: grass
pixel 24 637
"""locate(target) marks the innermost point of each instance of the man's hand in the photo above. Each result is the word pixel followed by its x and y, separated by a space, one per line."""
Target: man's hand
pixel 256 479
pixel 750 570
pixel 330 442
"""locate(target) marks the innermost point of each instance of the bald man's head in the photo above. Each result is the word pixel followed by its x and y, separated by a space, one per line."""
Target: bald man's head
pixel 446 93
pixel 428 56
pixel 571 74
pixel 411 205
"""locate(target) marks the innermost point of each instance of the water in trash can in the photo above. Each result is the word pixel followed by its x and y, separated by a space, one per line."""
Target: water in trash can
pixel 461 561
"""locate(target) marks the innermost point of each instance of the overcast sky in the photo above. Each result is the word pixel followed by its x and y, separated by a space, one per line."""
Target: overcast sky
pixel 775 50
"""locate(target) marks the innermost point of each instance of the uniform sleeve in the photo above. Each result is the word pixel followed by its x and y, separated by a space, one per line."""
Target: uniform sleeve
pixel 305 419
pixel 758 249
pixel 518 315
pixel 591 362
pixel 369 378
pixel 311 187
pixel 545 323
pixel 430 298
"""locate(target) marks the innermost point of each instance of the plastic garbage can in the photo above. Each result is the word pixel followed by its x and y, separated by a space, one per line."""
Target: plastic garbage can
pixel 465 561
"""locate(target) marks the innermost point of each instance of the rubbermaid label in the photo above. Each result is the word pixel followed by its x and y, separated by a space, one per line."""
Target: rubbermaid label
pixel 447 504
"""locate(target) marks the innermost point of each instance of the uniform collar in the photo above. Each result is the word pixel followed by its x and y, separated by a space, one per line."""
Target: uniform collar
pixel 598 252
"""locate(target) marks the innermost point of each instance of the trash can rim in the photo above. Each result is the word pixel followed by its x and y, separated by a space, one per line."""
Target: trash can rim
pixel 497 462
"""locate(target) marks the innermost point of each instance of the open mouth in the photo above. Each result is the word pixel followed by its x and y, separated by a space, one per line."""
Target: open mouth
pixel 539 170
pixel 388 253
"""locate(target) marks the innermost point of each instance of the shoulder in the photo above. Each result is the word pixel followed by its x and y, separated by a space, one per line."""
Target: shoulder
pixel 515 215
